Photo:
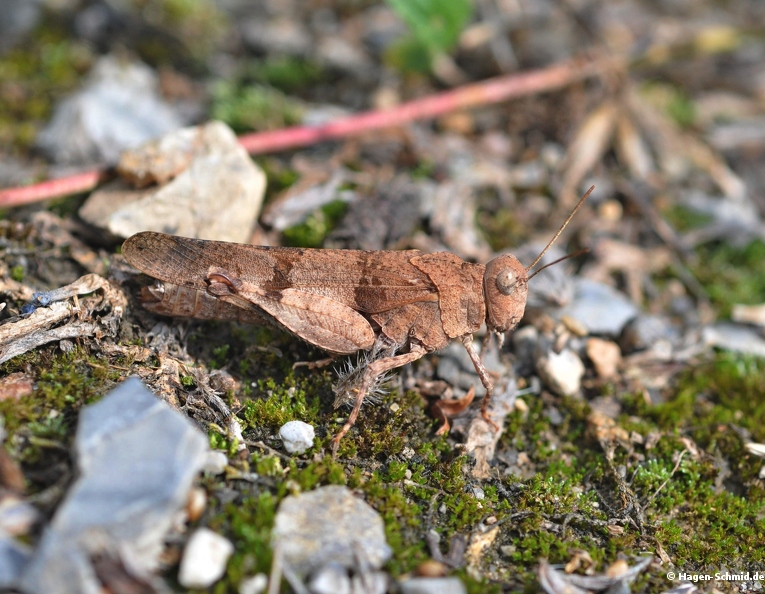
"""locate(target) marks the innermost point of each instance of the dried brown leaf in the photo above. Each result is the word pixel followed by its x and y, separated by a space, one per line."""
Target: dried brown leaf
pixel 590 143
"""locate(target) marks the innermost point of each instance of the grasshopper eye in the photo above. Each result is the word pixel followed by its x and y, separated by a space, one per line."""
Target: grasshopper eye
pixel 506 281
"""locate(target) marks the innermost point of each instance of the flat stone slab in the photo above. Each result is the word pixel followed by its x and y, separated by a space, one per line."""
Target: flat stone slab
pixel 137 460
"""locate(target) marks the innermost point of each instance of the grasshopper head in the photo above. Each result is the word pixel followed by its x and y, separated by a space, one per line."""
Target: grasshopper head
pixel 505 286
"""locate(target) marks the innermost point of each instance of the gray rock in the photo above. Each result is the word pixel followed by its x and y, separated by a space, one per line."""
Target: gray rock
pixel 370 582
pixel 645 331
pixel 735 337
pixel 215 192
pixel 119 108
pixel 137 459
pixel 455 366
pixel 19 18
pixel 297 206
pixel 422 585
pixel 600 308
pixel 528 175
pixel 329 525
pixel 552 287
pixel 13 558
pixel 280 36
pixel 525 347
pixel 336 53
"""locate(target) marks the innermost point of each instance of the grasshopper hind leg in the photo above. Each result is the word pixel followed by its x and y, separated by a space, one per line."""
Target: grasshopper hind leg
pixel 369 377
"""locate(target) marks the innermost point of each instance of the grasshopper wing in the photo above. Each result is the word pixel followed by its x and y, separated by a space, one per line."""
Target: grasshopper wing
pixel 368 282
pixel 319 320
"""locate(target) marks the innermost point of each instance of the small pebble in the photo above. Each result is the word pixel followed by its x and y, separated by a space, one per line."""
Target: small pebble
pixel 424 585
pixel 552 154
pixel 529 175
pixel 610 211
pixel 605 355
pixel 17 517
pixel 749 314
pixel 431 568
pixel 333 578
pixel 196 504
pixel 297 436
pixel 574 326
pixel 561 372
pixel 254 585
pixel 215 463
pixel 204 559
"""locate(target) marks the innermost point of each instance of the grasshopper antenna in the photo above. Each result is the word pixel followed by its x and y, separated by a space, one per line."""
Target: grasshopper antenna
pixel 566 257
pixel 557 235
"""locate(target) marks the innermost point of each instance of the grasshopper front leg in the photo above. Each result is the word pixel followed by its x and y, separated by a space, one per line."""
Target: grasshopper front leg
pixel 483 374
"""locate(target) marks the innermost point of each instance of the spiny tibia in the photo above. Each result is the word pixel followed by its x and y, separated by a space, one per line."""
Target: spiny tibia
pixel 351 376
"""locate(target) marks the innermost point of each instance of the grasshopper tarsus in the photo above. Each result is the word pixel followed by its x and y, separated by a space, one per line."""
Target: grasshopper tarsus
pixel 315 364
pixel 485 413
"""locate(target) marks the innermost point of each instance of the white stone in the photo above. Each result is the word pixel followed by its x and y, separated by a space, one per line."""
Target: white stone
pixel 215 463
pixel 254 585
pixel 204 559
pixel 561 372
pixel 297 436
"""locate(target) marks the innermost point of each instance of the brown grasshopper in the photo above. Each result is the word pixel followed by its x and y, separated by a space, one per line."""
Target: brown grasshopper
pixel 397 305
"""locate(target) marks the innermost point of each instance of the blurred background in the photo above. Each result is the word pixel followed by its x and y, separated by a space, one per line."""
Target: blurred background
pixel 639 366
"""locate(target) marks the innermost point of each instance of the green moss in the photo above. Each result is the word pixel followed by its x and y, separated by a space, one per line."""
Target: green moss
pixel 248 108
pixel 275 404
pixel 248 522
pixel 279 175
pixel 17 273
pixel 35 75
pixel 673 100
pixel 685 219
pixel 40 425
pixel 731 274
pixel 221 356
pixel 287 73
pixel 706 507
pixel 435 27
pixel 312 232
pixel 501 228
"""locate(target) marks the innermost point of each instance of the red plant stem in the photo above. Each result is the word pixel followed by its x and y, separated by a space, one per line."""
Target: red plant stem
pixel 52 188
pixel 482 93
pixel 493 90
